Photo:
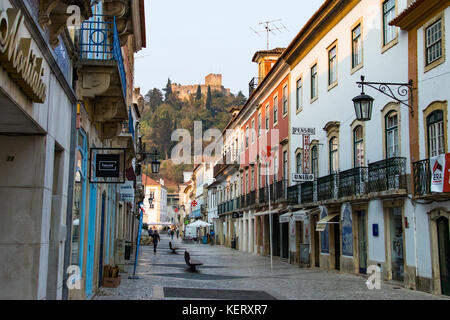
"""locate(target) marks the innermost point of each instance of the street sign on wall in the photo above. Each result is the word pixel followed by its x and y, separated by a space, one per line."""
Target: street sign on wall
pixel 440 173
pixel 127 191
pixel 304 131
pixel 302 177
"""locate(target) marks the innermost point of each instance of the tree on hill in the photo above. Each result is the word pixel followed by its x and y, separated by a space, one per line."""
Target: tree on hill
pixel 198 95
pixel 168 90
pixel 208 99
pixel 154 98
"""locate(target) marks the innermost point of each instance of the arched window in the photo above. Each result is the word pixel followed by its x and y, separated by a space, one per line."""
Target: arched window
pixel 358 147
pixel 391 134
pixel 435 128
pixel 334 156
pixel 298 162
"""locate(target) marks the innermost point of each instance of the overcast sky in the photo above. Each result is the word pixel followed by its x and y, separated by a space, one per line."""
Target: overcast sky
pixel 186 40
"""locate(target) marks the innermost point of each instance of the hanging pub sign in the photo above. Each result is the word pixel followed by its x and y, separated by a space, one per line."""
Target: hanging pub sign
pixel 127 191
pixel 18 58
pixel 440 173
pixel 107 165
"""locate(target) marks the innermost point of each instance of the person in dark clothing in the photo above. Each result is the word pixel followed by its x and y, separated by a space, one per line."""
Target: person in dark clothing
pixel 178 233
pixel 171 233
pixel 155 240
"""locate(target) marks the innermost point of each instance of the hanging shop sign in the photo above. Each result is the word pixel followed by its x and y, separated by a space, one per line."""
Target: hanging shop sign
pixel 304 131
pixel 306 154
pixel 440 173
pixel 302 177
pixel 127 191
pixel 107 165
pixel 18 59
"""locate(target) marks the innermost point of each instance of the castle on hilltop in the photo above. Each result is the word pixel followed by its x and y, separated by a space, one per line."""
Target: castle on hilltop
pixel 212 80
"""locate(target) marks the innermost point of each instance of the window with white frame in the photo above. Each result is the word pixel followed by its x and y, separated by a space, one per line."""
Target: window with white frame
pixel 285 99
pixel 267 117
pixel 389 32
pixel 334 155
pixel 298 162
pixel 314 82
pixel 253 130
pixel 275 110
pixel 433 36
pixel 358 147
pixel 299 94
pixel 259 124
pixel 356 47
pixel 246 136
pixel 435 127
pixel 391 134
pixel 332 66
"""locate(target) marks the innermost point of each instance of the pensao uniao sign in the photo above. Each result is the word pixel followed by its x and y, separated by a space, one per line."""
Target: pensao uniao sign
pixel 17 57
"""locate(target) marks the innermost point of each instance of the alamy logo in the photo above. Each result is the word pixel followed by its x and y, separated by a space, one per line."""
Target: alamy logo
pixel 74 280
pixel 74 19
pixel 374 281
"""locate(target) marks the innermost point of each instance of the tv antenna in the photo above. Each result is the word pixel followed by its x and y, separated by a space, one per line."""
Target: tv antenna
pixel 271 26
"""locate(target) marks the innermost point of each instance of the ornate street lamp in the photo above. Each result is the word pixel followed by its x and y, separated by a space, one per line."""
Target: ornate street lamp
pixel 364 103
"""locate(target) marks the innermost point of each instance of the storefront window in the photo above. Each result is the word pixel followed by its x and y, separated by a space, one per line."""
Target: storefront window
pixel 324 241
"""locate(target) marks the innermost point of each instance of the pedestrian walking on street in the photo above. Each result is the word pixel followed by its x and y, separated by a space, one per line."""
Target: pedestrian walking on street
pixel 171 233
pixel 156 238
pixel 178 233
pixel 212 236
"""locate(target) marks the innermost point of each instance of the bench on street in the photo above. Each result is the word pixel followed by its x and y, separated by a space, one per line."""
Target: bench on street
pixel 191 262
pixel 172 247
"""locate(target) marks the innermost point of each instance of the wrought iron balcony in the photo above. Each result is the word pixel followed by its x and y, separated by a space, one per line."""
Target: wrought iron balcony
pixel 254 82
pixel 262 199
pixel 308 192
pixel 243 205
pixel 327 187
pixel 422 177
pixel 388 174
pixel 293 194
pixel 99 40
pixel 280 190
pixel 353 182
pixel 251 198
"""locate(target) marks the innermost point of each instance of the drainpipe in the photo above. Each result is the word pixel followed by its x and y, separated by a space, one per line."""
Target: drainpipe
pixel 67 247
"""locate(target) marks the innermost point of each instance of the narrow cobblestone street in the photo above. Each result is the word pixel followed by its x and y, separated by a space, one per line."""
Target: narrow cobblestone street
pixel 231 274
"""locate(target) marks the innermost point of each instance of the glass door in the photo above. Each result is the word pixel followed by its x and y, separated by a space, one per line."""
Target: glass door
pixel 362 242
pixel 397 257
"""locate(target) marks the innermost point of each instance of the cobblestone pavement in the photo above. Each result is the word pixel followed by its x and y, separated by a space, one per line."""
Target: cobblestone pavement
pixel 231 274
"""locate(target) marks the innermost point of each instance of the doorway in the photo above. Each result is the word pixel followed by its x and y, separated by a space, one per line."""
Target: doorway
pixel 276 235
pixel 285 239
pixel 444 254
pixel 362 241
pixel 337 245
pixel 397 256
pixel 91 238
pixel 102 236
pixel 316 241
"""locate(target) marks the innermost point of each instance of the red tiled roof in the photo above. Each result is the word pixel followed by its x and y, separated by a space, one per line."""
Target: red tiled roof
pixel 147 181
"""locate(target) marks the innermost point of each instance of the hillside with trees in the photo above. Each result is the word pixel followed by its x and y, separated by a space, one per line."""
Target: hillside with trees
pixel 165 112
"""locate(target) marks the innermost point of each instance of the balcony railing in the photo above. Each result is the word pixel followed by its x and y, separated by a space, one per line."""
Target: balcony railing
pixel 388 174
pixel 308 192
pixel 293 194
pixel 281 190
pixel 327 187
pixel 353 182
pixel 254 82
pixel 242 202
pixel 422 177
pixel 251 198
pixel 99 40
pixel 262 195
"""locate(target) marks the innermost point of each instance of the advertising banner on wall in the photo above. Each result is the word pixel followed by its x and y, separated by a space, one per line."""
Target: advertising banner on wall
pixel 440 173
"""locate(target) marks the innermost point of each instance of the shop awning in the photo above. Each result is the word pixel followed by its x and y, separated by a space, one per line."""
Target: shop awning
pixel 285 217
pixel 261 213
pixel 301 215
pixel 322 224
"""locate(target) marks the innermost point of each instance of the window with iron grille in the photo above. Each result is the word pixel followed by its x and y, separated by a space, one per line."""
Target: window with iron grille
pixel 434 42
